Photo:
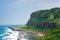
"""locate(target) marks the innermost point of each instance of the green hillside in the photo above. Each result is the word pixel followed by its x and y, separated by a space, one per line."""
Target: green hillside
pixel 53 35
pixel 47 21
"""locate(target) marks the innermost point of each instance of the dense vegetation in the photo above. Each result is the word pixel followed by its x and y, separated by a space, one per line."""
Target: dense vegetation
pixel 47 21
pixel 45 18
pixel 53 35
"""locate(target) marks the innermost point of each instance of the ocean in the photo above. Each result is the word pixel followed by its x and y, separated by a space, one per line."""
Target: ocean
pixel 7 34
pixel 2 31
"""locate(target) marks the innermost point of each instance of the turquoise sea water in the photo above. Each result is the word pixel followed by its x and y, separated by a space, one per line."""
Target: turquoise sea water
pixel 8 34
pixel 3 30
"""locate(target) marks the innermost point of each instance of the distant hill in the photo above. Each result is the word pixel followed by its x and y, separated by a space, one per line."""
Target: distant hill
pixel 48 18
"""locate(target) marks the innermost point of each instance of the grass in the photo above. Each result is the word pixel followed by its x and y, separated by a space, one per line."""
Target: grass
pixel 51 35
pixel 27 28
pixel 33 28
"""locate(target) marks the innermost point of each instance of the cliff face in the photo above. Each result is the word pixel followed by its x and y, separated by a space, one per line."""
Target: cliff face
pixel 49 18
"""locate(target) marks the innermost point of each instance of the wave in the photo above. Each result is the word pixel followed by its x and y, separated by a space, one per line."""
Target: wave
pixel 10 35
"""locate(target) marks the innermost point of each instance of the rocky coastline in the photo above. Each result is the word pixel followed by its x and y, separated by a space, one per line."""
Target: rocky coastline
pixel 22 35
pixel 15 34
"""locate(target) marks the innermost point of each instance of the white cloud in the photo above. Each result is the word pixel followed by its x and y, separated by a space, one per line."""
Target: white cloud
pixel 35 3
pixel 24 3
pixel 48 4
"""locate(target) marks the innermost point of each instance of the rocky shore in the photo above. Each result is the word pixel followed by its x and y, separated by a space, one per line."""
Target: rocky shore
pixel 21 34
pixel 15 34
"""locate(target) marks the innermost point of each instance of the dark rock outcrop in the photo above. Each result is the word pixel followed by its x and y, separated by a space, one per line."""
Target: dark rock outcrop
pixel 15 29
pixel 45 18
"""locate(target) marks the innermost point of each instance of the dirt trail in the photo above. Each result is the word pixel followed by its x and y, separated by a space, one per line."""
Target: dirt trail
pixel 37 33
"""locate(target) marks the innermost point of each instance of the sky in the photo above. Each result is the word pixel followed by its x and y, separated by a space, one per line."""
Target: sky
pixel 19 11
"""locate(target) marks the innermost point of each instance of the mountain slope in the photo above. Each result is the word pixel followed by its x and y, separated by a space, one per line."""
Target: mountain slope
pixel 48 18
pixel 53 35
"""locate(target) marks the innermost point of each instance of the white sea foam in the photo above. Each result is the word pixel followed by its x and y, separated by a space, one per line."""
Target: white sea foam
pixel 23 39
pixel 11 35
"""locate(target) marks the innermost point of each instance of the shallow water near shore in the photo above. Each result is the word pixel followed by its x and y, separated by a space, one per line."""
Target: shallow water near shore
pixel 9 34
